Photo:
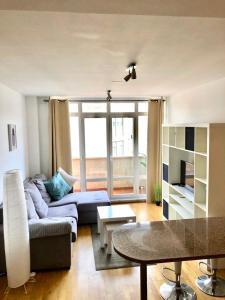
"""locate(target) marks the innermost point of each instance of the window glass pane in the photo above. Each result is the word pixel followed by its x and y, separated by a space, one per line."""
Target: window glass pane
pixel 74 131
pixel 142 135
pixel 142 152
pixel 142 185
pixel 143 106
pixel 96 185
pixel 122 107
pixel 73 107
pixel 122 137
pixel 95 147
pixel 123 186
pixel 94 107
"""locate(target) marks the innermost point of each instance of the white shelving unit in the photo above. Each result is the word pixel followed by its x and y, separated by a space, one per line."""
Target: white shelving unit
pixel 204 146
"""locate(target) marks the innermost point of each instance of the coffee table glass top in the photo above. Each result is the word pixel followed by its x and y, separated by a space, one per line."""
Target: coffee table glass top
pixel 115 212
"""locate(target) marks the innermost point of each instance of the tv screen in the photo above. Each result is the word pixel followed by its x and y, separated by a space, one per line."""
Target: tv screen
pixel 187 175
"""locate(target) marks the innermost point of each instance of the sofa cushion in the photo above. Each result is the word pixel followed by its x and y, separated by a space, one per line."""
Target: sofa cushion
pixel 71 198
pixel 31 212
pixel 63 211
pixel 88 201
pixel 42 189
pixel 40 206
pixel 57 187
pixel 41 177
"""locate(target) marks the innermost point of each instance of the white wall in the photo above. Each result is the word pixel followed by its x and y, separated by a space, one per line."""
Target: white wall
pixel 205 103
pixel 43 135
pixel 38 142
pixel 12 111
pixel 33 135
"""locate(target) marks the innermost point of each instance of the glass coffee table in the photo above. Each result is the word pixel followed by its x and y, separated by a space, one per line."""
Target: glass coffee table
pixel 113 214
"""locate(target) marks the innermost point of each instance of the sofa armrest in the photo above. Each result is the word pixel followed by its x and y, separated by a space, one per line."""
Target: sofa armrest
pixel 49 227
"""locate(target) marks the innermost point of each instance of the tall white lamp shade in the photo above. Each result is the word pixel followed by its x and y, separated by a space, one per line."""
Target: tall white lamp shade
pixel 16 230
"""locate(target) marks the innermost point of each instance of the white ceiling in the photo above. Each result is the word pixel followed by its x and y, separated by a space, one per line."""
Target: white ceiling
pixel 76 54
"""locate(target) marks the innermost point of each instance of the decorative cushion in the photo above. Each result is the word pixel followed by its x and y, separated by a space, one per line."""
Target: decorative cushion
pixel 57 187
pixel 40 206
pixel 67 177
pixel 42 189
pixel 70 198
pixel 31 212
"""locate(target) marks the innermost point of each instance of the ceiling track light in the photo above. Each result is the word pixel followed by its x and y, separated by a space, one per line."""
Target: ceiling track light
pixel 109 97
pixel 131 72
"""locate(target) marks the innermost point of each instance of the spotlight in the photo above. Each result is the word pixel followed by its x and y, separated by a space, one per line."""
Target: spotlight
pixel 128 76
pixel 109 97
pixel 132 72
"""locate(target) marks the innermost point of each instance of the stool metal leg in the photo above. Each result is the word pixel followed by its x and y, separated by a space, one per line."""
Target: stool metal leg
pixel 210 284
pixel 174 290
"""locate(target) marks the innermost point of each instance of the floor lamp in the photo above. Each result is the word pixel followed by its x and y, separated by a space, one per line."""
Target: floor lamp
pixel 16 230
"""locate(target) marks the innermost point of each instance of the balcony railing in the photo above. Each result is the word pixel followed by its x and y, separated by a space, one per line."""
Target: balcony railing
pixel 122 173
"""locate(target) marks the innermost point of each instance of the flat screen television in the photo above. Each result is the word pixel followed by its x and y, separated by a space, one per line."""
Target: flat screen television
pixel 187 175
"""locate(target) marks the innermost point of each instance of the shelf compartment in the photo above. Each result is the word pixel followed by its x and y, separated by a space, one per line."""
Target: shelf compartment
pixel 180 137
pixel 165 154
pixel 200 213
pixel 181 211
pixel 200 167
pixel 165 190
pixel 201 139
pixel 166 135
pixel 202 180
pixel 200 192
pixel 187 204
pixel 175 157
pixel 189 138
pixel 183 191
pixel 172 136
pixel 202 206
pixel 172 213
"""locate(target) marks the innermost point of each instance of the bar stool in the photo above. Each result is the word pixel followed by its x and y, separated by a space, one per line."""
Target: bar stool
pixel 210 283
pixel 174 289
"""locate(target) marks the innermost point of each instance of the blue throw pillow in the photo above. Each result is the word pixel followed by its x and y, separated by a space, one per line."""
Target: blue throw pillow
pixel 57 187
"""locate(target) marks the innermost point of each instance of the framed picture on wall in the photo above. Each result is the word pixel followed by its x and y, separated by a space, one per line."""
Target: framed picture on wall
pixel 12 137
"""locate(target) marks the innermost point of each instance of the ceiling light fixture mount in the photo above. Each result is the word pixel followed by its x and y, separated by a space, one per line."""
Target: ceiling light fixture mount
pixel 131 72
pixel 109 97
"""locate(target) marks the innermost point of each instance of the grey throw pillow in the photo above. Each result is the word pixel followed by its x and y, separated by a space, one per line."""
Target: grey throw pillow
pixel 41 177
pixel 31 212
pixel 40 206
pixel 42 189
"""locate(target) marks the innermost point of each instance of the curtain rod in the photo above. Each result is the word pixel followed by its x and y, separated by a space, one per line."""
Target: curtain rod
pixel 105 101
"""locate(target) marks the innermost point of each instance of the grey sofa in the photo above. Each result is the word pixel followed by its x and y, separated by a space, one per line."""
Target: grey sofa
pixel 50 237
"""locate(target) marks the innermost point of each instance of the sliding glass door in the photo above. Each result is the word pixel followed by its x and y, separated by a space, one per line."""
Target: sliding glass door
pixel 95 153
pixel 109 148
pixel 122 161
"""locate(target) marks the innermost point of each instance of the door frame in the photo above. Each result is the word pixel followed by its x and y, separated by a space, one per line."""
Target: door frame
pixel 108 115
